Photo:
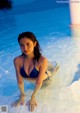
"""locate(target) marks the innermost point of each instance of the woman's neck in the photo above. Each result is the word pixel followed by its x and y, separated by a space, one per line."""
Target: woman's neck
pixel 29 57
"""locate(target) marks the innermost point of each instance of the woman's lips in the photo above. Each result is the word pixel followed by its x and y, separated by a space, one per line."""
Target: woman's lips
pixel 26 51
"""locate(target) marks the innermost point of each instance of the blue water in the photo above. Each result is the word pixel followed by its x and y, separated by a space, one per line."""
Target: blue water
pixel 48 20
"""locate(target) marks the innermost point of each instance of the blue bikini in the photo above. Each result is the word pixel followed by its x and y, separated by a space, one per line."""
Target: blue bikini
pixel 34 73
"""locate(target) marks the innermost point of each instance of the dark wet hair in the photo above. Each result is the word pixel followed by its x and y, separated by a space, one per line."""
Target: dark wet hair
pixel 32 37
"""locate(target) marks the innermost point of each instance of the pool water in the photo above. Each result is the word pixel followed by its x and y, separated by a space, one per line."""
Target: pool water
pixel 53 32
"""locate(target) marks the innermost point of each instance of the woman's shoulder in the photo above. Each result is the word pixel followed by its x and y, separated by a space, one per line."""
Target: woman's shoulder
pixel 43 59
pixel 18 59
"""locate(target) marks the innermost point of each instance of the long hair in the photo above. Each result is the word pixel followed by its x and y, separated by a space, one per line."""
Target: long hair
pixel 32 37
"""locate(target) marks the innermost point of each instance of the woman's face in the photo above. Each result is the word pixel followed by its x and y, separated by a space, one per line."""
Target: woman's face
pixel 27 46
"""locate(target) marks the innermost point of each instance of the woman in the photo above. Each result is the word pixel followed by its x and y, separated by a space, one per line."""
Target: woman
pixel 31 65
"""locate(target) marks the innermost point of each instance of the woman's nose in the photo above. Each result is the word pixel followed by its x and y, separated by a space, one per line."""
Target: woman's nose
pixel 25 48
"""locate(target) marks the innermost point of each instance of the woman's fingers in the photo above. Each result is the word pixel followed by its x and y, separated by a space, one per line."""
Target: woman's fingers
pixel 32 107
pixel 13 104
pixel 22 103
pixel 36 103
pixel 17 103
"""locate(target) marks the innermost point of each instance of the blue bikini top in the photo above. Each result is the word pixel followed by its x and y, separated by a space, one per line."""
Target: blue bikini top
pixel 34 73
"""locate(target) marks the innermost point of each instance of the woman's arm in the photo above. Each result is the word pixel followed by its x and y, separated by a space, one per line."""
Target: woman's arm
pixel 19 77
pixel 20 84
pixel 41 77
pixel 42 70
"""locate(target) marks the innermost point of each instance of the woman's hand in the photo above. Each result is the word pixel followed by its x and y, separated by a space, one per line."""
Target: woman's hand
pixel 18 102
pixel 32 104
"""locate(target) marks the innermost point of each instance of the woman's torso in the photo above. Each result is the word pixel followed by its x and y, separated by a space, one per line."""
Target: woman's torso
pixel 29 68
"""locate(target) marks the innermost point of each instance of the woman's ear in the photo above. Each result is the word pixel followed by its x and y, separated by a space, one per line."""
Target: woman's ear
pixel 35 43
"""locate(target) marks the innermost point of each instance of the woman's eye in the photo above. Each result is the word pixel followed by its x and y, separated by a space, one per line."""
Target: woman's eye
pixel 28 44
